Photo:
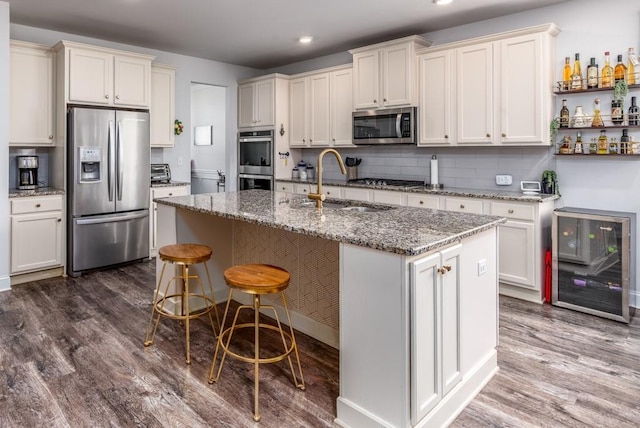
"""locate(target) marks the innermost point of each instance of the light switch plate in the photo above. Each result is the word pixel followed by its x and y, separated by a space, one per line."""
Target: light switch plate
pixel 504 180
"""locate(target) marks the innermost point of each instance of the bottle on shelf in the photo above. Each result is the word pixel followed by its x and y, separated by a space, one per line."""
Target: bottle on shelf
pixel 625 147
pixel 620 71
pixel 592 74
pixel 632 78
pixel 617 115
pixel 566 74
pixel 613 147
pixel 565 148
pixel 579 118
pixel 577 149
pixel 593 147
pixel 603 143
pixel 634 113
pixel 597 121
pixel 607 72
pixel 564 115
pixel 576 76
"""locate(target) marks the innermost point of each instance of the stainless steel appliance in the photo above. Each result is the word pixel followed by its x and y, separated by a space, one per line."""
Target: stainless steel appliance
pixel 160 173
pixel 108 181
pixel 386 183
pixel 27 172
pixel 255 160
pixel 388 126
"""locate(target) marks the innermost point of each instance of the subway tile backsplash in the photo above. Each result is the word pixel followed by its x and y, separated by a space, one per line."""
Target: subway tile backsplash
pixel 470 167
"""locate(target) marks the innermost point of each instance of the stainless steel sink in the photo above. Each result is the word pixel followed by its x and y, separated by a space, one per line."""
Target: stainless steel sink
pixel 341 206
pixel 362 209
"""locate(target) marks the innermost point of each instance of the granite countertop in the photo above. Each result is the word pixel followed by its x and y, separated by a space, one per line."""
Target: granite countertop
pixel 170 184
pixel 396 229
pixel 40 191
pixel 447 191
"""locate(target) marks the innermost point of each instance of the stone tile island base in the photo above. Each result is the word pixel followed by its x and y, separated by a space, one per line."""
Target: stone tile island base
pixel 416 333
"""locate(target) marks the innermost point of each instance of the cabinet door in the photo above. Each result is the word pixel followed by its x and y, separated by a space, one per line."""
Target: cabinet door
pixel 245 105
pixel 388 197
pixel 132 78
pixel 356 194
pixel 284 187
pixel 423 201
pixel 522 91
pixel 341 107
pixel 473 206
pixel 366 79
pixel 450 318
pixel 332 192
pixel 162 109
pixel 516 261
pixel 298 112
pixel 319 110
pixel 474 94
pixel 90 77
pixel 36 241
pixel 160 192
pixel 31 96
pixel 436 99
pixel 397 76
pixel 265 103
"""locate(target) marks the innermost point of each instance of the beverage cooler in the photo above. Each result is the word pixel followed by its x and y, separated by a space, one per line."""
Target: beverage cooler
pixel 594 261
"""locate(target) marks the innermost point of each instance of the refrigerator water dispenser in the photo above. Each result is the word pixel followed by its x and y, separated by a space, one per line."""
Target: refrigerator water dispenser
pixel 90 160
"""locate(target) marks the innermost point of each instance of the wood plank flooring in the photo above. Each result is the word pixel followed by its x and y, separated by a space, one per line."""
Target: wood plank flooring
pixel 72 355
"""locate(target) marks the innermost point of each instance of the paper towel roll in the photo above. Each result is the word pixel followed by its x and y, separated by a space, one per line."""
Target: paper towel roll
pixel 434 170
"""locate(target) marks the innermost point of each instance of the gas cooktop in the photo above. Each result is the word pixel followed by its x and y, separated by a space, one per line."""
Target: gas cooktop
pixel 387 182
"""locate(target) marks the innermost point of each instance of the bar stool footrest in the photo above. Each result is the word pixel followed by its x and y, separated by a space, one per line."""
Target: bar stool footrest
pixel 269 360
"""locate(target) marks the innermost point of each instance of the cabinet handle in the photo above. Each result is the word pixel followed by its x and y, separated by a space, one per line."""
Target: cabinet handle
pixel 375 101
pixel 462 206
pixel 328 193
pixel 384 100
pixel 488 135
pixel 446 136
pixel 504 135
pixel 170 194
pixel 59 220
pixel 51 137
pixel 304 141
pixel 510 211
pixel 310 140
pixel 117 97
pixel 107 96
pixel 444 269
pixel 421 202
pixel 334 140
pixel 37 205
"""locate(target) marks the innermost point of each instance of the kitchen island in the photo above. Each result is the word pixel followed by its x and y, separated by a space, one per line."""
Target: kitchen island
pixel 408 295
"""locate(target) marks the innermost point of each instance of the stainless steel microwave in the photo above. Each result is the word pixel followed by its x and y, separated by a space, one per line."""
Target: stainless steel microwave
pixel 388 126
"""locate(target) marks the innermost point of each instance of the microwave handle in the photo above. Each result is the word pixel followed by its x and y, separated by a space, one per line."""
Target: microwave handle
pixel 398 121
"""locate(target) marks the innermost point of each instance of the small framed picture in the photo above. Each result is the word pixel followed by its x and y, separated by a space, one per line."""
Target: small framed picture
pixel 203 135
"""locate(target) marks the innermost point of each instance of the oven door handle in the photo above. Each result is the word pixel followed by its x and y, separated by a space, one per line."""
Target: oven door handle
pixel 255 140
pixel 263 177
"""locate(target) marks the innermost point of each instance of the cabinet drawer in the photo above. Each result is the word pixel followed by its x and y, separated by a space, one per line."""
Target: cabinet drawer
pixel 165 192
pixel 423 201
pixel 331 192
pixel 510 210
pixel 284 187
pixel 36 205
pixel 463 205
pixel 386 197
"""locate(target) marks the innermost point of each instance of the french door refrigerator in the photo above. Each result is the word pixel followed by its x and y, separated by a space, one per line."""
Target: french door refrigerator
pixel 108 164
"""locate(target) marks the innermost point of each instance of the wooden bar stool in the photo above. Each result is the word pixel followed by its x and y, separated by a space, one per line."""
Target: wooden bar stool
pixel 257 279
pixel 184 255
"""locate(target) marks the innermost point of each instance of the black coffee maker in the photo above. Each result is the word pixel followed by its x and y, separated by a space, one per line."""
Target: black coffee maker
pixel 27 172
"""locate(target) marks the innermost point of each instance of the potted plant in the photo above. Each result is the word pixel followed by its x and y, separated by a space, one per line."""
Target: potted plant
pixel 550 182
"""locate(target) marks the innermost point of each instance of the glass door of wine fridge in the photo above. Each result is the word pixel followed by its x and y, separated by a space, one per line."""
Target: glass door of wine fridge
pixel 594 261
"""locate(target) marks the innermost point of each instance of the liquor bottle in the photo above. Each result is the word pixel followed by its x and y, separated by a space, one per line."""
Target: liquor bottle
pixel 577 149
pixel 617 115
pixel 566 74
pixel 564 115
pixel 597 121
pixel 631 68
pixel 634 113
pixel 592 74
pixel 607 72
pixel 620 72
pixel 603 143
pixel 625 147
pixel 576 76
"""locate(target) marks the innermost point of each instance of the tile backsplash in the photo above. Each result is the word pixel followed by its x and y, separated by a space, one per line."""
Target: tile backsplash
pixel 470 167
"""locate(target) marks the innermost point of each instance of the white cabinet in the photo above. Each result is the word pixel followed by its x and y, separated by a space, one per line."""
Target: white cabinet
pixel 106 77
pixel 384 75
pixel 319 110
pixel 388 197
pixel 36 233
pixel 298 94
pixel 436 92
pixel 162 108
pixel 356 193
pixel 435 329
pixel 468 205
pixel 332 192
pixel 341 107
pixel 282 186
pixel 256 103
pixel 161 192
pixel 31 95
pixel 303 188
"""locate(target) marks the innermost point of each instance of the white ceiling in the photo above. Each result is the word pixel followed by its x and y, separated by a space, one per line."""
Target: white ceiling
pixel 256 33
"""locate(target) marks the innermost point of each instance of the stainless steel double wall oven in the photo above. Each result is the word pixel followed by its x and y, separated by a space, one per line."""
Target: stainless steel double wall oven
pixel 255 160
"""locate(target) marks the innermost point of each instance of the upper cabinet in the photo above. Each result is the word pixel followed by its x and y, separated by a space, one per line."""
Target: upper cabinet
pixel 162 109
pixel 106 77
pixel 384 74
pixel 31 87
pixel 262 100
pixel 494 90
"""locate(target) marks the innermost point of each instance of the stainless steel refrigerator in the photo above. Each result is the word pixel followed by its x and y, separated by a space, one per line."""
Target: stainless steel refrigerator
pixel 108 164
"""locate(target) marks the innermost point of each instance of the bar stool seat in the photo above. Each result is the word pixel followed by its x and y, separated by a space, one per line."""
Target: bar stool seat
pixel 257 280
pixel 184 255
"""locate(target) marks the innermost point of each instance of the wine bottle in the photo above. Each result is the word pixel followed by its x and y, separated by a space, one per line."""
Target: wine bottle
pixel 577 149
pixel 634 113
pixel 603 143
pixel 592 74
pixel 576 76
pixel 564 115
pixel 620 72
pixel 607 72
pixel 624 143
pixel 566 74
pixel 631 68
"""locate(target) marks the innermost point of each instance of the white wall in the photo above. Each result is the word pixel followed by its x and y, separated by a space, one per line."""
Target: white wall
pixel 5 244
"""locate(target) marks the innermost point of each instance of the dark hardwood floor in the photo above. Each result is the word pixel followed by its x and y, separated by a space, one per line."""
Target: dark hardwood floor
pixel 72 354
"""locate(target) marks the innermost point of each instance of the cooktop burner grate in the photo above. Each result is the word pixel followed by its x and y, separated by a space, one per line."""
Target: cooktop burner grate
pixel 387 182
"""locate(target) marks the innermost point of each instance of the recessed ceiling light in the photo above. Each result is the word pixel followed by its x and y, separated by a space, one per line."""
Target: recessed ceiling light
pixel 305 39
pixel 442 2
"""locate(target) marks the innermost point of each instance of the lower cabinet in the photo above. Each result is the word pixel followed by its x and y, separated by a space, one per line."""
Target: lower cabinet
pixel 435 329
pixel 36 233
pixel 161 192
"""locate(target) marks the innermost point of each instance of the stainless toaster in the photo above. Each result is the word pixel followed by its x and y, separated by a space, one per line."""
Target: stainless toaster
pixel 160 173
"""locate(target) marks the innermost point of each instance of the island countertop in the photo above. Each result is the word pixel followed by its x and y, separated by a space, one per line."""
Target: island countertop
pixel 396 229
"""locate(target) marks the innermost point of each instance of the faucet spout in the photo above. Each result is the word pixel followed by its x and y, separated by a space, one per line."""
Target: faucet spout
pixel 319 196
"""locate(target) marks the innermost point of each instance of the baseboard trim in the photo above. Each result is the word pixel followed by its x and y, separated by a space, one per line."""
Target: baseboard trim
pixel 5 283
pixel 521 293
pixel 37 276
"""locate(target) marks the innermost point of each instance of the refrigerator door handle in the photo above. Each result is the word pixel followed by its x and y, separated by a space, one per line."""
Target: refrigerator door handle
pixel 120 167
pixel 110 160
pixel 112 218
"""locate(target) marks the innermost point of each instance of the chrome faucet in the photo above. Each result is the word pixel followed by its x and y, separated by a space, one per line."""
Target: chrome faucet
pixel 319 196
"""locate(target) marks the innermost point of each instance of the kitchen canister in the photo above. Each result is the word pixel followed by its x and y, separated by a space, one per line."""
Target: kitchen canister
pixel 302 166
pixel 303 174
pixel 311 172
pixel 295 173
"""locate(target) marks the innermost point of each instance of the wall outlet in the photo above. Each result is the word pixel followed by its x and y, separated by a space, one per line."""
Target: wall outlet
pixel 482 267
pixel 504 180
